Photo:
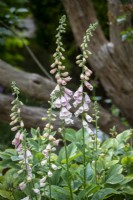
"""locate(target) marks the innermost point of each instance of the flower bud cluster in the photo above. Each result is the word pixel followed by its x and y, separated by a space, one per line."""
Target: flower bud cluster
pixel 19 141
pixel 61 94
pixel 82 58
pixel 57 67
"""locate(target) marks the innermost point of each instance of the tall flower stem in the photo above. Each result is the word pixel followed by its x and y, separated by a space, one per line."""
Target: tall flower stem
pixel 84 157
pixel 96 136
pixel 67 162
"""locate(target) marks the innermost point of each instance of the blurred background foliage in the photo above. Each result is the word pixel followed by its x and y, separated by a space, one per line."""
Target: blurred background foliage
pixel 33 23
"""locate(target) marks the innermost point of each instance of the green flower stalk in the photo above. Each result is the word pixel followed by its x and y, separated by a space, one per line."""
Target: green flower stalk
pixel 81 98
pixel 61 94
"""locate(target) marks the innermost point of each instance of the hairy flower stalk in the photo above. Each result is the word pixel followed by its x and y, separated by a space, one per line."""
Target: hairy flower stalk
pixel 52 142
pixel 81 98
pixel 19 141
pixel 61 94
pixel 96 118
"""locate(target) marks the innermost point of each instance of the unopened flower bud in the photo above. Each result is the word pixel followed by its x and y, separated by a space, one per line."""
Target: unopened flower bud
pixel 22 186
pixel 59 81
pixel 43 162
pixel 67 78
pixel 42 184
pixel 57 76
pixel 15 128
pixel 54 167
pixel 53 70
pixel 53 65
pixel 51 138
pixel 37 191
pixel 82 76
pixel 50 173
pixel 63 82
pixel 22 124
pixel 86 78
pixel 65 74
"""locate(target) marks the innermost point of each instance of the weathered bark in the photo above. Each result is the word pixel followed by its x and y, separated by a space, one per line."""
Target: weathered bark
pixel 111 60
pixel 30 84
pixel 32 116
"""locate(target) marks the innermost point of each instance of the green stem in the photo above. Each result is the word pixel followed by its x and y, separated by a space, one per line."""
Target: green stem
pixel 84 158
pixel 67 164
pixel 96 125
pixel 49 179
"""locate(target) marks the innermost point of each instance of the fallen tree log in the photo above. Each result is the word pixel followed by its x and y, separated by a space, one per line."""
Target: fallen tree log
pixel 32 116
pixel 31 84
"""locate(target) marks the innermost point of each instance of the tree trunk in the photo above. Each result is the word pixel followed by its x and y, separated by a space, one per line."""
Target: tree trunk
pixel 111 60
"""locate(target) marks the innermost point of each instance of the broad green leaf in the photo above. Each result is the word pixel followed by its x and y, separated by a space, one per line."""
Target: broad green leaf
pixel 115 179
pixel 104 193
pixel 114 170
pixel 33 132
pixel 89 172
pixel 127 179
pixel 110 163
pixel 59 193
pixel 100 166
pixel 89 191
pixel 33 144
pixel 71 152
pixel 56 177
pixel 70 135
pixel 6 194
pixel 107 144
pixel 128 190
pixel 127 160
pixel 122 137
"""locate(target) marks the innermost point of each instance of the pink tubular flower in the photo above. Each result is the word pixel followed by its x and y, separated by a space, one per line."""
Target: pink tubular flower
pixel 85 107
pixel 57 103
pixel 66 115
pixel 77 113
pixel 68 106
pixel 85 124
pixel 22 185
pixel 88 85
pixel 67 97
pixel 56 142
pixel 63 101
pixel 88 118
pixel 87 99
pixel 68 92
pixel 68 121
pixel 75 104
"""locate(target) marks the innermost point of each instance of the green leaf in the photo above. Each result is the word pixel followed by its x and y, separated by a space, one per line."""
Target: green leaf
pixel 89 172
pixel 104 193
pixel 59 193
pixel 107 144
pixel 33 144
pixel 70 134
pixel 128 190
pixel 6 194
pixel 89 191
pixel 115 179
pixel 124 136
pixel 71 151
pixel 100 166
pixel 114 170
pixel 127 160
